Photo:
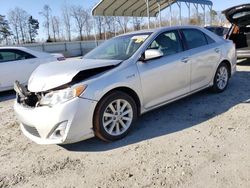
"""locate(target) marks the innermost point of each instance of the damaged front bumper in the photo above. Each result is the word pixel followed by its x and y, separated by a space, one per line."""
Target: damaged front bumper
pixel 64 123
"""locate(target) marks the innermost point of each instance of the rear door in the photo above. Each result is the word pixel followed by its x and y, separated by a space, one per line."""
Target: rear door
pixel 15 65
pixel 204 54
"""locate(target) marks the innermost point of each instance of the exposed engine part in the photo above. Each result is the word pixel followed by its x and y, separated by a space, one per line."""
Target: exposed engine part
pixel 21 90
pixel 32 99
pixel 24 96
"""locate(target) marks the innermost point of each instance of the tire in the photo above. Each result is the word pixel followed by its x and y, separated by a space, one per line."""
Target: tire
pixel 221 78
pixel 109 122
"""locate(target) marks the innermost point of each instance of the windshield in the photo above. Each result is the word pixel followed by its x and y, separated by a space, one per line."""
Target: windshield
pixel 118 48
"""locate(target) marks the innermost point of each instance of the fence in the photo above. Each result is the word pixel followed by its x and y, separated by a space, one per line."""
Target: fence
pixel 69 49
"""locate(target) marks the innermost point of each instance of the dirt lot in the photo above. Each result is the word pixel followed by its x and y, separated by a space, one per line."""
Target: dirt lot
pixel 200 141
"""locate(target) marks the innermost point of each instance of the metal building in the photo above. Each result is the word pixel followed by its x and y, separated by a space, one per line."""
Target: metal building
pixel 147 8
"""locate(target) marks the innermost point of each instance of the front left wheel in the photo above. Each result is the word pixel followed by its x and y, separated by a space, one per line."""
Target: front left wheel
pixel 114 116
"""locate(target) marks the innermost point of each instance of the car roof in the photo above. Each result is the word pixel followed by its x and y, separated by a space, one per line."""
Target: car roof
pixel 27 50
pixel 156 30
pixel 12 47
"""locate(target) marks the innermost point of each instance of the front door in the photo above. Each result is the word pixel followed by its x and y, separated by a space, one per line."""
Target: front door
pixel 168 77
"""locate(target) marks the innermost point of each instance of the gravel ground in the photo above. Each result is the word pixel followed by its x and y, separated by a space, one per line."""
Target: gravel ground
pixel 200 141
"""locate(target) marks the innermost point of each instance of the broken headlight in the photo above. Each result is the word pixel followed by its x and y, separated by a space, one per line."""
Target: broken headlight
pixel 61 96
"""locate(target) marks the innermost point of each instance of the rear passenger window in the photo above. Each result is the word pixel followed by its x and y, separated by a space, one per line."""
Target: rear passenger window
pixel 23 55
pixel 209 39
pixel 194 38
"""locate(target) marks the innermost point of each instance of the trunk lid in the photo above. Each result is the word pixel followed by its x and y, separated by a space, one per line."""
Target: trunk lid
pixel 238 15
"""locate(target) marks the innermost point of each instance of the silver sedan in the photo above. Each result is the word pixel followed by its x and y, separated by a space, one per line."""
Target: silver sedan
pixel 103 93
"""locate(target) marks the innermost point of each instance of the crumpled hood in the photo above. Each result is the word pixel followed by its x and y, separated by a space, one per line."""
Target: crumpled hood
pixel 55 74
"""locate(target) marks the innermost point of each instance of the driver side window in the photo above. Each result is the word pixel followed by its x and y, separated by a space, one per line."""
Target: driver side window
pixel 168 43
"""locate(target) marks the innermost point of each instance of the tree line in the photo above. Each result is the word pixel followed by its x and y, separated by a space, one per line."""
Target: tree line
pixel 18 27
pixel 77 23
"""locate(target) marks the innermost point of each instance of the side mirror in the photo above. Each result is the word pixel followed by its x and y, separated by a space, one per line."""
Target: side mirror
pixel 151 54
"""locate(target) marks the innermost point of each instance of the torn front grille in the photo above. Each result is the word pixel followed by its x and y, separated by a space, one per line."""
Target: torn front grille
pixel 31 130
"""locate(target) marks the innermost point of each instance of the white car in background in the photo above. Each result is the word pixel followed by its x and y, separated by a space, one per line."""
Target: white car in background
pixel 17 63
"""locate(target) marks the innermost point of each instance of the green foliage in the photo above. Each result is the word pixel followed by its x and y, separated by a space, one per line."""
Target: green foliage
pixel 33 28
pixel 5 31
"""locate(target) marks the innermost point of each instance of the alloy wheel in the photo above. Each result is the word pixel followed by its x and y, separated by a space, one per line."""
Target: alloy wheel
pixel 222 77
pixel 117 117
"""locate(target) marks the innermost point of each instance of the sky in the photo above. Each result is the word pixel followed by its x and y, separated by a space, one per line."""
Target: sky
pixel 33 7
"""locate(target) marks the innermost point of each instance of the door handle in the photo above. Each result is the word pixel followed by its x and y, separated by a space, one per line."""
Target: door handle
pixel 217 50
pixel 185 59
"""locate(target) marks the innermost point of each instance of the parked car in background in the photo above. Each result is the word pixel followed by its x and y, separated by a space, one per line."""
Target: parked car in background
pixel 17 63
pixel 239 32
pixel 103 93
pixel 218 30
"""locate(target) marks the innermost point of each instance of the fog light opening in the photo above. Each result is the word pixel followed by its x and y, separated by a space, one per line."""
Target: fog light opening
pixel 60 131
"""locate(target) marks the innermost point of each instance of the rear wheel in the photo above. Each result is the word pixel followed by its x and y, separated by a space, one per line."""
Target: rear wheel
pixel 221 78
pixel 114 116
